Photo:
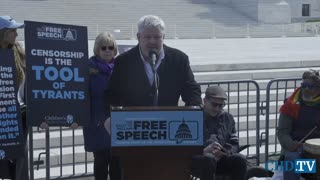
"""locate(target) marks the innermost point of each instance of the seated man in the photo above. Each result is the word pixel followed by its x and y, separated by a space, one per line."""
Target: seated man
pixel 220 140
pixel 298 116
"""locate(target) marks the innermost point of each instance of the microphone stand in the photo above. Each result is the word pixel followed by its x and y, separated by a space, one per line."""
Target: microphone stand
pixel 156 83
pixel 153 57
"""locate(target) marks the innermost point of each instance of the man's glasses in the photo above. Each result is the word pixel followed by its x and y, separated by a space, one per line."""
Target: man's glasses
pixel 103 48
pixel 308 85
pixel 214 104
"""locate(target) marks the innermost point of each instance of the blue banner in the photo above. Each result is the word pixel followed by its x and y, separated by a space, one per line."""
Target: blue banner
pixel 11 133
pixel 156 128
pixel 57 74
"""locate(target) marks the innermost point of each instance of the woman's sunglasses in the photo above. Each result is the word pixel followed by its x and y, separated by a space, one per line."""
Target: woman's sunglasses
pixel 103 48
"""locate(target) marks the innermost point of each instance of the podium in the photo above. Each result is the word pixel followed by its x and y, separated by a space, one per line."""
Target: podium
pixel 156 142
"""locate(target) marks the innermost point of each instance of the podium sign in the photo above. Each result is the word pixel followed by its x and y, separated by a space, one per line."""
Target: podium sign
pixel 156 128
pixel 156 142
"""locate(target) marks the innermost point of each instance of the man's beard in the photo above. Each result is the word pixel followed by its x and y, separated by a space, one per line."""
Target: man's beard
pixel 213 114
pixel 308 96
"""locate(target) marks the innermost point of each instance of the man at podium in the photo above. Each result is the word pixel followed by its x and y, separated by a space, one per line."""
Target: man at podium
pixel 152 73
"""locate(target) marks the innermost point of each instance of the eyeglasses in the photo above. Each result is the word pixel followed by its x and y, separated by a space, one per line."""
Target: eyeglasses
pixel 214 104
pixel 103 48
pixel 308 85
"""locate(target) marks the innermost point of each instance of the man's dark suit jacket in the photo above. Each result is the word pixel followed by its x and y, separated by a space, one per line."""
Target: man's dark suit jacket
pixel 130 86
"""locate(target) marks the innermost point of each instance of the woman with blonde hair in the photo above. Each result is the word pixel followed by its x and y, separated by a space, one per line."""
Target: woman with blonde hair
pixel 8 35
pixel 96 137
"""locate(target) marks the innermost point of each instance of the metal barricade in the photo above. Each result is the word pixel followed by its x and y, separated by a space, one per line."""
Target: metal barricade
pixel 277 91
pixel 58 140
pixel 244 104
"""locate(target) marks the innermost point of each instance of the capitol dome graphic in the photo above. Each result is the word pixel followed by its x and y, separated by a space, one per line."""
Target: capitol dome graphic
pixel 183 132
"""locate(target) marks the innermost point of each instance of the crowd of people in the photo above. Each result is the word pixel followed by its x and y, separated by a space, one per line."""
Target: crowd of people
pixel 135 78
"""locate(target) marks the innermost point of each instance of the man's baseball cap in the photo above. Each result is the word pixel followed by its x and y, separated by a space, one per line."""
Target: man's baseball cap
pixel 9 23
pixel 216 92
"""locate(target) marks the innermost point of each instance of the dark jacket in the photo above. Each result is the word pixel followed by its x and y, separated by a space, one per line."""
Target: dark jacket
pixel 221 129
pixel 291 130
pixel 95 135
pixel 129 84
pixel 309 117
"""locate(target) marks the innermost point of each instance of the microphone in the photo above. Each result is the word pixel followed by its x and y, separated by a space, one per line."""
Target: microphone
pixel 153 56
